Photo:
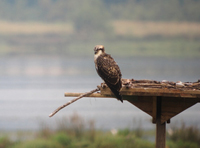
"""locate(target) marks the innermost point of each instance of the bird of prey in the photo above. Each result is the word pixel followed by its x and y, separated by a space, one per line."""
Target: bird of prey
pixel 108 70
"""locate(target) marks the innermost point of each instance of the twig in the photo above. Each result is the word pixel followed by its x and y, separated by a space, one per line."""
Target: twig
pixel 70 102
pixel 94 95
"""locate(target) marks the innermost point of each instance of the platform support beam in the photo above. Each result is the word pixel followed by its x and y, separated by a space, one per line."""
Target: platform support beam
pixel 160 134
pixel 160 127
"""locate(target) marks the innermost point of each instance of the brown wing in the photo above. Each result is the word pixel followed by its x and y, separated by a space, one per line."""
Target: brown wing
pixel 109 71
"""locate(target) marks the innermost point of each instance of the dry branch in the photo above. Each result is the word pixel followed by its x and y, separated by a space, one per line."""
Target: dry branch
pixel 98 95
pixel 70 102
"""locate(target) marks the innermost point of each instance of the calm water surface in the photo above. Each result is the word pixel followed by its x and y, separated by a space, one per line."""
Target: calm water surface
pixel 32 87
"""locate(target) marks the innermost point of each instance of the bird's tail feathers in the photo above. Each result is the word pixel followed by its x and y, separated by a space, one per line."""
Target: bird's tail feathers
pixel 117 94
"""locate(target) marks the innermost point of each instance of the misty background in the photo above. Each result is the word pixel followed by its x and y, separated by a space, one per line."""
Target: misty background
pixel 46 49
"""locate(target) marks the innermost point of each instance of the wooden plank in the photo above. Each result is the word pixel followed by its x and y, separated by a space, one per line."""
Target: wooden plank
pixel 105 92
pixel 173 106
pixel 154 109
pixel 142 102
pixel 154 92
pixel 160 92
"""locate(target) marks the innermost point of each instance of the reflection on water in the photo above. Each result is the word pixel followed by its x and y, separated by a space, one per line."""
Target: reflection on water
pixel 32 87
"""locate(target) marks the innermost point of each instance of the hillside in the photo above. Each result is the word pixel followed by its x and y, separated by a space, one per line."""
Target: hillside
pixel 71 10
pixel 140 27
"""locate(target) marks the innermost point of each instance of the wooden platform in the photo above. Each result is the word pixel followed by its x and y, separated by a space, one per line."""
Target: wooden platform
pixel 156 88
pixel 162 100
pixel 176 97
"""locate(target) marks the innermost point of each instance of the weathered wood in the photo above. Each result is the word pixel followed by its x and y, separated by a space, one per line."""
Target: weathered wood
pixel 160 134
pixel 174 100
pixel 154 110
pixel 161 84
pixel 173 106
pixel 151 88
pixel 161 100
pixel 163 88
pixel 160 127
pixel 154 92
pixel 142 102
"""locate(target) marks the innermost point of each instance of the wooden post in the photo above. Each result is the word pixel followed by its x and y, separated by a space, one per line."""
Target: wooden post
pixel 160 127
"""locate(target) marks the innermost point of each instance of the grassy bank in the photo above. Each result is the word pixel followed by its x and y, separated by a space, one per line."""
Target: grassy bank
pixel 88 139
pixel 143 29
pixel 74 132
pixel 171 48
pixel 126 38
pixel 182 137
pixel 139 29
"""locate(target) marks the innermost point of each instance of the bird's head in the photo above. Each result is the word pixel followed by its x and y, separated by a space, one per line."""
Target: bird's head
pixel 99 49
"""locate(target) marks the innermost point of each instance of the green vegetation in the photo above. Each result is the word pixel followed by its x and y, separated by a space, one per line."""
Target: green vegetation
pixel 184 137
pixel 74 132
pixel 63 139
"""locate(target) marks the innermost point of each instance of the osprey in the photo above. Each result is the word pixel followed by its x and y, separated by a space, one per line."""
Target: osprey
pixel 108 70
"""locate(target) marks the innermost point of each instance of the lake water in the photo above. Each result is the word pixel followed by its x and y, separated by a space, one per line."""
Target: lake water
pixel 32 87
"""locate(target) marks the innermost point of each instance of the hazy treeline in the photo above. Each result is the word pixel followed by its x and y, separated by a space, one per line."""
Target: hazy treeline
pixel 71 10
pixel 65 26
